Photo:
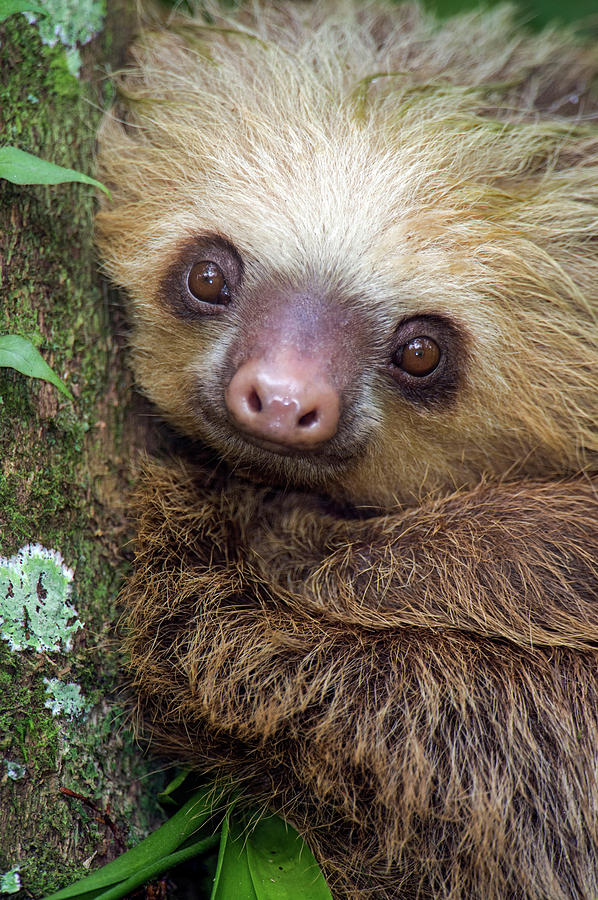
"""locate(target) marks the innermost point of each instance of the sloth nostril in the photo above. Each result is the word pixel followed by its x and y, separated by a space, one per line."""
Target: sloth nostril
pixel 286 401
pixel 253 402
pixel 308 419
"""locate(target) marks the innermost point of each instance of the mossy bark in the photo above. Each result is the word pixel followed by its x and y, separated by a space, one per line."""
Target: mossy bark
pixel 70 791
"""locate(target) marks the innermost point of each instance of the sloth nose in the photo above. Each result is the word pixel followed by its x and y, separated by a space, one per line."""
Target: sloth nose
pixel 285 400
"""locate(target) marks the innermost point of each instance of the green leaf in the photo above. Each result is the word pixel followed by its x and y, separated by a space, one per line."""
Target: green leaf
pixel 158 867
pixel 159 849
pixel 8 7
pixel 20 167
pixel 281 864
pixel 18 353
pixel 165 797
pixel 233 878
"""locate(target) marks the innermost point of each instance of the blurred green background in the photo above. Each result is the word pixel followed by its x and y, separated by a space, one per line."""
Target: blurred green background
pixel 536 12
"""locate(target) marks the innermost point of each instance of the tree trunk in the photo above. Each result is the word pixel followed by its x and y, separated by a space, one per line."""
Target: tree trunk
pixel 70 794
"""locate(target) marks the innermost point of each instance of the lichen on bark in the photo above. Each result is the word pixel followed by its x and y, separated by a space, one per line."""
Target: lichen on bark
pixel 63 476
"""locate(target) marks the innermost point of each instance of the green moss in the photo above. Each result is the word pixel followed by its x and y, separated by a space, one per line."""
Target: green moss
pixel 60 475
pixel 28 735
pixel 63 71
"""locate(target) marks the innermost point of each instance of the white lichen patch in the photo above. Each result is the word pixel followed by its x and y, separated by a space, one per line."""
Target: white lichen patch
pixel 64 699
pixel 10 882
pixel 14 770
pixel 71 22
pixel 35 613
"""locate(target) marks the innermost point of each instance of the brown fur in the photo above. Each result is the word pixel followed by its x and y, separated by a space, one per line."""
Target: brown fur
pixel 417 693
pixel 392 640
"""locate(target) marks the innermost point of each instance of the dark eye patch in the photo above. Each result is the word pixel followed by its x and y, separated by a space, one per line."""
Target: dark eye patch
pixel 202 278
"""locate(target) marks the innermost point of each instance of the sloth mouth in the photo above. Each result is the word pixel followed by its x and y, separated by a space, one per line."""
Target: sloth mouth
pixel 276 447
pixel 309 464
pixel 322 457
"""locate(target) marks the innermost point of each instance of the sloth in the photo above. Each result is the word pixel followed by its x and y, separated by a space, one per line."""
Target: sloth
pixel 360 250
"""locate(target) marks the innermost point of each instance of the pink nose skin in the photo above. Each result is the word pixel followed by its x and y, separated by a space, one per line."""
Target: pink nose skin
pixel 285 400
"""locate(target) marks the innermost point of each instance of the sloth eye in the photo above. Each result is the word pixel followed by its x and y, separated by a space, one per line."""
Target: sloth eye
pixel 418 357
pixel 207 283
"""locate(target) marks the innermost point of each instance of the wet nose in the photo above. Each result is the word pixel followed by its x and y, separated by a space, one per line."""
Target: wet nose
pixel 286 400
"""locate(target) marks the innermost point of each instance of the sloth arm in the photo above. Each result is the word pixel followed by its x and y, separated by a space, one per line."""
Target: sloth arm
pixel 245 604
pixel 515 561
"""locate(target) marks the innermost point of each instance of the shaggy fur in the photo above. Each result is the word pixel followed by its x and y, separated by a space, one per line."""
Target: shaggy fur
pixel 418 692
pixel 392 640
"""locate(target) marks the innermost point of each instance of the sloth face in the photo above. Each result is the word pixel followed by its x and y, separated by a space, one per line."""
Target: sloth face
pixel 289 373
pixel 375 379
pixel 378 287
